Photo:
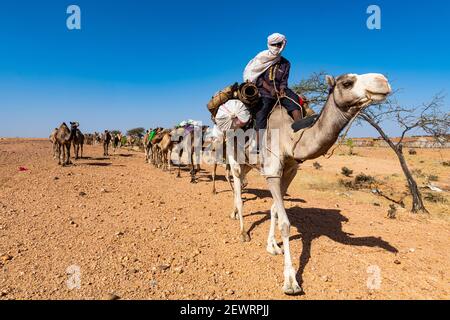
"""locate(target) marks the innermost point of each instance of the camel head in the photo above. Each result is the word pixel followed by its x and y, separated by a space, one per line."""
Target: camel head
pixel 352 92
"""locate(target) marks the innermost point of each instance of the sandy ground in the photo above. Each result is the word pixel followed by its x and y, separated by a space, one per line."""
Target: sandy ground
pixel 140 233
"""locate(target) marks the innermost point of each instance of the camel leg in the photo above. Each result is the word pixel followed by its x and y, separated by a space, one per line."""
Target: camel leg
pixel 214 178
pixel 289 173
pixel 59 154
pixel 68 155
pixel 228 176
pixel 146 153
pixel 290 286
pixel 193 167
pixel 272 246
pixel 169 157
pixel 238 203
pixel 82 151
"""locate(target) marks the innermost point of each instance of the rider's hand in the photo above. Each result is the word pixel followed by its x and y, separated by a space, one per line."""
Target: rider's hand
pixel 282 93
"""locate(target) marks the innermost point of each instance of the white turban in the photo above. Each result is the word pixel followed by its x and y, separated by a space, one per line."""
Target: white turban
pixel 265 59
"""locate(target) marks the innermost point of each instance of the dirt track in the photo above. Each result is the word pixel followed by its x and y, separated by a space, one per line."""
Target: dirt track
pixel 141 233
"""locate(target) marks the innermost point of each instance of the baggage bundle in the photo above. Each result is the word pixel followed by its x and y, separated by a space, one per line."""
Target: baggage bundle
pixel 233 114
pixel 247 93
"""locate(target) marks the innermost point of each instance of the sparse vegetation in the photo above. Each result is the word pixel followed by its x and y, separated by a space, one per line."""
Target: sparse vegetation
pixel 361 181
pixel 433 178
pixel 317 166
pixel 350 144
pixel 418 173
pixel 435 198
pixel 412 152
pixel 446 163
pixel 136 132
pixel 346 171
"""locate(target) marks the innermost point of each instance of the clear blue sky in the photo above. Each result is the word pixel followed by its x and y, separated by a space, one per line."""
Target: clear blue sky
pixel 148 63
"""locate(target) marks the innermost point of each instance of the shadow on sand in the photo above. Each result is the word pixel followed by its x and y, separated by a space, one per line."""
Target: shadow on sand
pixel 313 223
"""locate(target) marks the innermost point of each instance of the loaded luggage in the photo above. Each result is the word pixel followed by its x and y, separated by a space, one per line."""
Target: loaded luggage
pixel 247 93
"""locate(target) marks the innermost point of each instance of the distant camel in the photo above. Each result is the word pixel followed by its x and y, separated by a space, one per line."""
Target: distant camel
pixel 106 138
pixel 97 138
pixel 54 142
pixel 185 140
pixel 116 141
pixel 165 146
pixel 349 95
pixel 78 143
pixel 89 139
pixel 147 145
pixel 64 138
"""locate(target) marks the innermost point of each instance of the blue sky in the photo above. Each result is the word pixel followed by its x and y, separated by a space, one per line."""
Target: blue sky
pixel 155 63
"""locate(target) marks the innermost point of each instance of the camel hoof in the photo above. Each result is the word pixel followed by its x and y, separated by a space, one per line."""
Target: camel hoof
pixel 292 290
pixel 214 192
pixel 245 237
pixel 274 249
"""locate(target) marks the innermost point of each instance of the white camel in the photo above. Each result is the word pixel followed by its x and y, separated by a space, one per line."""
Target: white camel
pixel 349 94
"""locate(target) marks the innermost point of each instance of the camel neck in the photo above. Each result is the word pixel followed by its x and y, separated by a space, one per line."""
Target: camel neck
pixel 317 140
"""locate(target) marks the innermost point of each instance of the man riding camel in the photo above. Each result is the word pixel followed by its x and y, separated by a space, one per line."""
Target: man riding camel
pixel 270 72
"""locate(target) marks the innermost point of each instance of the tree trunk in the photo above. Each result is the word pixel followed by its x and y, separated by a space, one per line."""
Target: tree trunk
pixel 417 205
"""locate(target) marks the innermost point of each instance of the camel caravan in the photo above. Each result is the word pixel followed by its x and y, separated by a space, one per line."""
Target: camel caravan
pixel 260 124
pixel 63 138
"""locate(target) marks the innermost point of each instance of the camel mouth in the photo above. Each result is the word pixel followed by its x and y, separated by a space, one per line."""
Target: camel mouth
pixel 377 97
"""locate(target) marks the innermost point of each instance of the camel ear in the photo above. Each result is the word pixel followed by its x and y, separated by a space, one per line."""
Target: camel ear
pixel 331 81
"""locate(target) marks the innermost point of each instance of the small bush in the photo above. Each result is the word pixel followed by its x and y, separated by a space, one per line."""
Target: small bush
pixel 435 198
pixel 433 178
pixel 317 165
pixel 418 173
pixel 392 212
pixel 346 171
pixel 361 181
pixel 446 163
pixel 364 179
pixel 412 152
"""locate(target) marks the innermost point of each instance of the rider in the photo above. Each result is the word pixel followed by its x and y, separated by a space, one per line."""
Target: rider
pixel 270 72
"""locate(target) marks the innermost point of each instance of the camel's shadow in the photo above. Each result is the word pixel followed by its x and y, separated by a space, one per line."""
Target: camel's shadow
pixel 313 223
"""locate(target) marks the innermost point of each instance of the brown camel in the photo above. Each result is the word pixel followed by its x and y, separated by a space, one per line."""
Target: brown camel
pixel 153 148
pixel 64 138
pixel 78 143
pixel 349 94
pixel 165 147
pixel 54 142
pixel 147 145
pixel 106 138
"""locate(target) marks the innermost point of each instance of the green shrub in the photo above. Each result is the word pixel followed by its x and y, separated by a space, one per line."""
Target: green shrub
pixel 346 171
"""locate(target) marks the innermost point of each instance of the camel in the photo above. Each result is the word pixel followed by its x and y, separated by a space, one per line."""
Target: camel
pixel 349 95
pixel 153 148
pixel 147 145
pixel 54 142
pixel 186 139
pixel 64 137
pixel 162 149
pixel 106 138
pixel 89 139
pixel 116 141
pixel 78 143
